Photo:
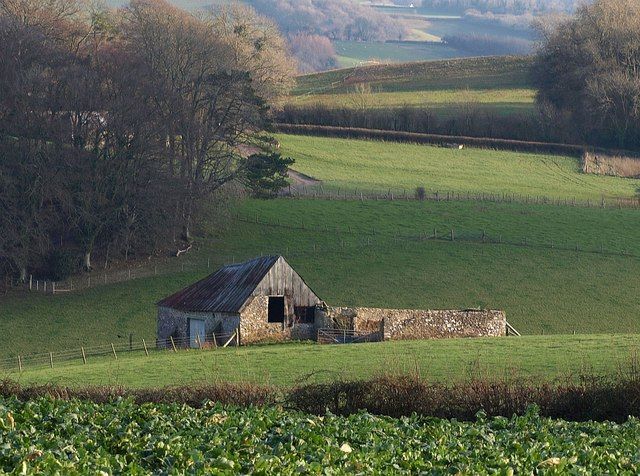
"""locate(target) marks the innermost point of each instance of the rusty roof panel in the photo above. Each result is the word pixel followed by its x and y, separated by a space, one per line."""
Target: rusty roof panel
pixel 226 290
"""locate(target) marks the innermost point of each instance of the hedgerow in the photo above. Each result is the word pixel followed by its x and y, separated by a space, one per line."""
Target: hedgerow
pixel 613 398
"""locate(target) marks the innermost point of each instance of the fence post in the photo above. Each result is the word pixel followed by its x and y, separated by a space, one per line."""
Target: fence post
pixel 19 363
pixel 51 359
pixel 215 342
pixel 144 344
pixel 84 356
pixel 45 285
pixel 173 344
pixel 452 235
pixel 30 282
pixel 114 351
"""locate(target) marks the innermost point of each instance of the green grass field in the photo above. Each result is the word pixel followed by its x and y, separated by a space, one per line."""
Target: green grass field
pixel 373 253
pixel 542 290
pixel 539 357
pixel 374 165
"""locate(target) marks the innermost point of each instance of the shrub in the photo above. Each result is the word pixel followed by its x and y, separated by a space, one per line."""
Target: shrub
pixel 61 264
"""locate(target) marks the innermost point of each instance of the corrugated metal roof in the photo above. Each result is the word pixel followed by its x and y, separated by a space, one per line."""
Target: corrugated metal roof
pixel 226 290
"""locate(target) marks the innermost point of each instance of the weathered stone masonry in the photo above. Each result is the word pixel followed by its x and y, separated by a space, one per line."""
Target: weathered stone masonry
pixel 254 325
pixel 402 324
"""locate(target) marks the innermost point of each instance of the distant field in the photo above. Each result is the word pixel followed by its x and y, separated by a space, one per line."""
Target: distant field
pixel 375 165
pixel 444 101
pixel 356 53
pixel 508 72
pixel 499 84
pixel 542 357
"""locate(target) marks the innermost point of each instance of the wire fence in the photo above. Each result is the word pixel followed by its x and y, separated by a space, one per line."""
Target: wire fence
pixel 399 194
pixel 348 236
pixel 341 238
pixel 114 350
pixel 106 277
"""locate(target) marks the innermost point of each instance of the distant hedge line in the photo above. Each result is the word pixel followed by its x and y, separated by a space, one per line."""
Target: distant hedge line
pixel 437 139
pixel 614 398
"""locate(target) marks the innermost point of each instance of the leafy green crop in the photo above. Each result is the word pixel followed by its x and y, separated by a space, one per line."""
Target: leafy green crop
pixel 48 436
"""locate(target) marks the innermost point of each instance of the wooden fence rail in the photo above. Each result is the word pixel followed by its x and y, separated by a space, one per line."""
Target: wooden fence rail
pixel 114 350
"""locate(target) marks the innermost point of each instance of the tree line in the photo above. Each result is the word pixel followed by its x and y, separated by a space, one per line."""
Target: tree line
pixel 120 131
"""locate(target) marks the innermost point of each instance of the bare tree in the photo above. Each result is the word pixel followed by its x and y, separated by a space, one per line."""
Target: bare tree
pixel 589 68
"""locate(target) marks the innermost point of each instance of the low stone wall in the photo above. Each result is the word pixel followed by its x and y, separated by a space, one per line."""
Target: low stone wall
pixel 401 324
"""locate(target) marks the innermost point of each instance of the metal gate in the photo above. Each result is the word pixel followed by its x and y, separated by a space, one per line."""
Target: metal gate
pixel 345 336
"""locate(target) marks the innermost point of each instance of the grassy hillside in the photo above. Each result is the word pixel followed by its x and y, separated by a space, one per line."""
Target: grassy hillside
pixel 378 165
pixel 331 243
pixel 499 85
pixel 444 360
pixel 375 253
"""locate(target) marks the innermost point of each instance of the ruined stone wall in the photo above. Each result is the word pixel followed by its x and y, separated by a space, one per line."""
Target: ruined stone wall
pixel 255 325
pixel 399 324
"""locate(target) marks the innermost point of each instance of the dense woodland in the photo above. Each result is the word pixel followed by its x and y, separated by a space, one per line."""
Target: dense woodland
pixel 335 19
pixel 119 129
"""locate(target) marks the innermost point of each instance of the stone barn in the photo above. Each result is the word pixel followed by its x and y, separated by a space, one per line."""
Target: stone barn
pixel 260 300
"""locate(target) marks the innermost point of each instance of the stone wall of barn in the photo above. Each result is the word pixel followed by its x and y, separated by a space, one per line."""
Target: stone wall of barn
pixel 402 324
pixel 174 323
pixel 255 326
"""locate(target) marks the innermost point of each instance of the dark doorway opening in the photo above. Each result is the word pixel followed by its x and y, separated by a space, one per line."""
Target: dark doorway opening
pixel 276 309
pixel 305 315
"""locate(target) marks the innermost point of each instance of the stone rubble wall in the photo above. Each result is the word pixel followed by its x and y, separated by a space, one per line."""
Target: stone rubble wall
pixel 403 324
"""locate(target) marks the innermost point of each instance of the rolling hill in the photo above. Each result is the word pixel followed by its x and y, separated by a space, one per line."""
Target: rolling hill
pixel 499 84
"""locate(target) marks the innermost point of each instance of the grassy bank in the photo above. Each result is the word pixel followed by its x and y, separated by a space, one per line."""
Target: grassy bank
pixel 541 357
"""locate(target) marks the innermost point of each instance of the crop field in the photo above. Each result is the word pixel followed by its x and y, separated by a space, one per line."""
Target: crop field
pixel 88 438
pixel 375 165
pixel 544 358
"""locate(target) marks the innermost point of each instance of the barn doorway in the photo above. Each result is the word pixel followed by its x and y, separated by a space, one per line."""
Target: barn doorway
pixel 276 309
pixel 197 335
